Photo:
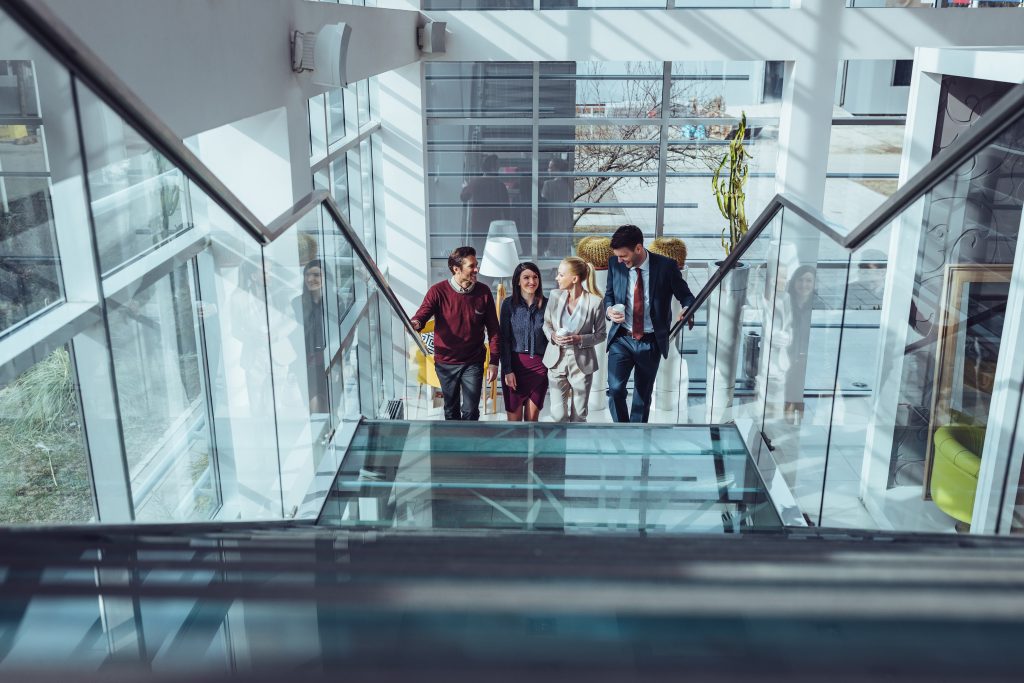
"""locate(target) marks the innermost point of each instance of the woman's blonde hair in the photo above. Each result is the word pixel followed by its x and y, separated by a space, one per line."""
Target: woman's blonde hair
pixel 583 270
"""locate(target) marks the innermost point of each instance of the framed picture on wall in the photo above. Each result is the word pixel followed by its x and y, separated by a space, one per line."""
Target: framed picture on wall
pixel 970 326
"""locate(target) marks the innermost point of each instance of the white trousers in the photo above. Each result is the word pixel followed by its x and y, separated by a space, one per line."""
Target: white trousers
pixel 570 389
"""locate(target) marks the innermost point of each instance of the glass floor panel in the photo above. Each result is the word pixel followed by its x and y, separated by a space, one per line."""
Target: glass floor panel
pixel 549 477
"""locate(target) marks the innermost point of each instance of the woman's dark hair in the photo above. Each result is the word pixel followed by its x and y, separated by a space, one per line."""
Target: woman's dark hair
pixel 797 274
pixel 627 236
pixel 458 255
pixel 517 294
pixel 558 165
pixel 315 263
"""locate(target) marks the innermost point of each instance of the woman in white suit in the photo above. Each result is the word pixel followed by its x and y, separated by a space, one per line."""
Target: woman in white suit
pixel 574 324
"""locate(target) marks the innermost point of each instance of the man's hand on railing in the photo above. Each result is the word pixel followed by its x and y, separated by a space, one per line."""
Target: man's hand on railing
pixel 416 324
pixel 683 315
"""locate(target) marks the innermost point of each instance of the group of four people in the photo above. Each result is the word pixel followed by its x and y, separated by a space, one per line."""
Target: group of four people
pixel 538 341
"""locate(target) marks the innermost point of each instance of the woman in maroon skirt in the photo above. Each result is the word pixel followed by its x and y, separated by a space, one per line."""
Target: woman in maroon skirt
pixel 522 344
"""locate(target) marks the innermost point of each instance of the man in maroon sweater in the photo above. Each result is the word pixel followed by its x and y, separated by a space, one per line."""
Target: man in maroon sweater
pixel 462 310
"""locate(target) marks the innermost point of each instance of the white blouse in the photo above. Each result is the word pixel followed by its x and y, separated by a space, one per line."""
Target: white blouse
pixel 573 321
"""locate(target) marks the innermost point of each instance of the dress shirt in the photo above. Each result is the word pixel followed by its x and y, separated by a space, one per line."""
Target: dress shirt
pixel 527 321
pixel 628 323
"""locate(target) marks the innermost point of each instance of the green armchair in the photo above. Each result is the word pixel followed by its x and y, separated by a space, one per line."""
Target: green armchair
pixel 955 468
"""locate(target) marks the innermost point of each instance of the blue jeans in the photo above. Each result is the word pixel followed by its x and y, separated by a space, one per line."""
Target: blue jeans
pixel 639 357
pixel 461 385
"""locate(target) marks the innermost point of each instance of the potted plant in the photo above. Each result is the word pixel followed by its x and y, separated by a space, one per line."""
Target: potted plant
pixel 725 309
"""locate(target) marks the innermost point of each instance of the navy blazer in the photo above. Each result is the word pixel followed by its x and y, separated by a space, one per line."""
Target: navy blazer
pixel 666 282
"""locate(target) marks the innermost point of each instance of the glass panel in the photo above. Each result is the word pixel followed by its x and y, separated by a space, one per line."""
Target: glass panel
pixel 602 4
pixel 353 374
pixel 725 350
pixel 478 174
pixel 339 183
pixel 317 131
pixel 368 207
pixel 614 181
pixel 322 180
pixel 42 447
pixel 237 348
pixel 138 198
pixel 477 4
pixel 161 394
pixel 961 4
pixel 864 159
pixel 363 93
pixel 855 389
pixel 600 89
pixel 300 354
pixel 802 349
pixel 943 321
pixel 355 192
pixel 479 89
pixel 338 266
pixel 335 115
pixel 672 480
pixel 36 136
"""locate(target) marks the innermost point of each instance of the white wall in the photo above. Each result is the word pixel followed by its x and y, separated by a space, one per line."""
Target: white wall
pixel 201 64
pixel 869 88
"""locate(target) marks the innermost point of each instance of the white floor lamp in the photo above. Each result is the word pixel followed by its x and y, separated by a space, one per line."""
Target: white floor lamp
pixel 499 261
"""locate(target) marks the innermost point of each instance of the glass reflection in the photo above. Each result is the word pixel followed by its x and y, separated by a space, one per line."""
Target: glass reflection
pixel 42 450
pixel 138 196
pixel 549 477
pixel 30 276
pixel 161 394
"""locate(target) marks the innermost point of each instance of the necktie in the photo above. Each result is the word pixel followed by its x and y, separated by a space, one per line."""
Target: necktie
pixel 638 306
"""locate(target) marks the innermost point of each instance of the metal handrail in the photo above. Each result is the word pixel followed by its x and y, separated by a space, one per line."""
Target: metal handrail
pixel 371 267
pixel 995 122
pixel 1004 114
pixel 779 201
pixel 318 198
pixel 67 48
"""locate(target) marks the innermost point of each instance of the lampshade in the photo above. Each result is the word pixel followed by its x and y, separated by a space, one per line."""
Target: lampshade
pixel 502 228
pixel 500 257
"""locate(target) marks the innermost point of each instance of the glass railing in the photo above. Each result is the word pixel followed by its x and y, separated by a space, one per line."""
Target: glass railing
pixel 189 363
pixel 883 395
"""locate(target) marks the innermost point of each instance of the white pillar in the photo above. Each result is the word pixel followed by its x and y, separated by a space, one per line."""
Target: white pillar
pixel 1002 455
pixel 806 116
pixel 402 188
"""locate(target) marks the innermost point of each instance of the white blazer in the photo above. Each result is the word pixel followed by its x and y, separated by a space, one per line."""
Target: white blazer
pixel 592 330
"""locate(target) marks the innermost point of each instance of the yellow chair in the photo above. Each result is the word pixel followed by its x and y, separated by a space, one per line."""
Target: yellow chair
pixel 955 469
pixel 426 373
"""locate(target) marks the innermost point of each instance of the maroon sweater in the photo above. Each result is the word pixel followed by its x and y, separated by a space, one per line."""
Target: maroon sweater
pixel 459 323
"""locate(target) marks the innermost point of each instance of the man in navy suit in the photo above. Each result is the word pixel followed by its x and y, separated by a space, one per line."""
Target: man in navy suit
pixel 644 284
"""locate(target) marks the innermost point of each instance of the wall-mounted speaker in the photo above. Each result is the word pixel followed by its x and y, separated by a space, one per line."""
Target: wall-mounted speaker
pixel 331 55
pixel 430 36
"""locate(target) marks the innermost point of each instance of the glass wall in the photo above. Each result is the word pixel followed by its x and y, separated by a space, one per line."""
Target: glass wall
pixel 600 4
pixel 189 373
pixel 866 143
pixel 45 470
pixel 561 150
pixel 30 276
